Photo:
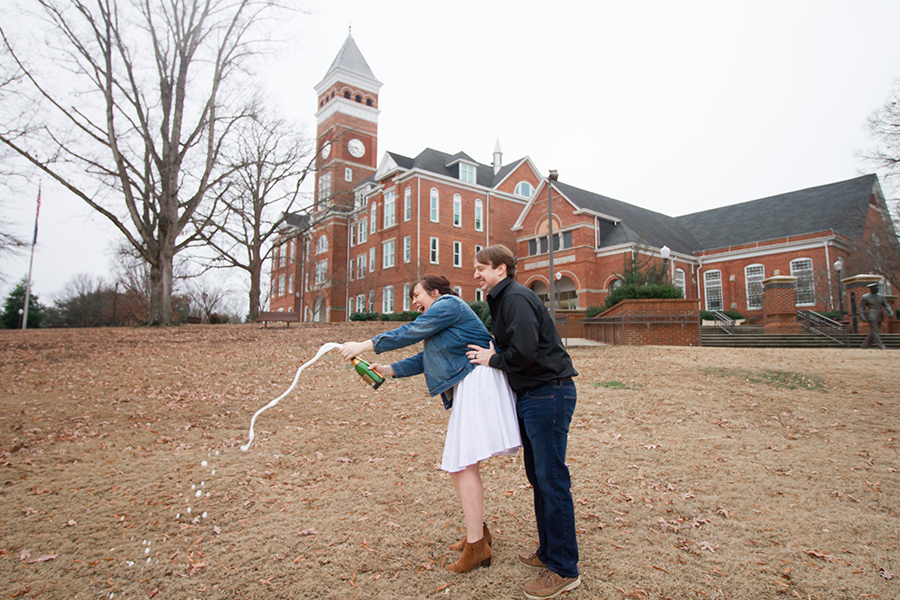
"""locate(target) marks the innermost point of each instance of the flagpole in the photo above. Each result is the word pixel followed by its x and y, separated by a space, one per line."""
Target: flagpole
pixel 31 260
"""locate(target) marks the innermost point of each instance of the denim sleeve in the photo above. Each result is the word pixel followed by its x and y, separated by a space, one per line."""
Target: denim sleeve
pixel 438 317
pixel 409 366
pixel 521 324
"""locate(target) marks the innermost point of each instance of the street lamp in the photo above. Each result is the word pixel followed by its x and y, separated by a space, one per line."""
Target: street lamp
pixel 554 176
pixel 665 253
pixel 839 266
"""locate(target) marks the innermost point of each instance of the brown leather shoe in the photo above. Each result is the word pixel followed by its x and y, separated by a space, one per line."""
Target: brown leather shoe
pixel 461 545
pixel 550 585
pixel 531 560
pixel 476 554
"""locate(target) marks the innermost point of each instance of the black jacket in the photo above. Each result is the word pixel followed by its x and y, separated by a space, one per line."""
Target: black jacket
pixel 529 349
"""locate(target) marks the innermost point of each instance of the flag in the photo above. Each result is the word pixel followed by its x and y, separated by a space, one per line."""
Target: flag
pixel 36 215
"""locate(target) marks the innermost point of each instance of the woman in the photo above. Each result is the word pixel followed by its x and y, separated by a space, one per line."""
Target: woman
pixel 483 421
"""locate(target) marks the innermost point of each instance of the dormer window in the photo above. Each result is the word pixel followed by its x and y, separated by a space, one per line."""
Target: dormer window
pixel 466 173
pixel 524 189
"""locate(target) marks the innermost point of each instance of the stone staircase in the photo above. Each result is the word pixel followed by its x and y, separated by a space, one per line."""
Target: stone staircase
pixel 752 336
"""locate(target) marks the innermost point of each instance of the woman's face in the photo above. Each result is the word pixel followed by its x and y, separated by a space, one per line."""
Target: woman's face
pixel 421 299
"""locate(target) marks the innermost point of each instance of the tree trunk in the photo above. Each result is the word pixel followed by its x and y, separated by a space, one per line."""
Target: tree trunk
pixel 161 287
pixel 255 268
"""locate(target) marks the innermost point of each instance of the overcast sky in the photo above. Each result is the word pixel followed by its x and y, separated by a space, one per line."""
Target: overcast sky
pixel 673 106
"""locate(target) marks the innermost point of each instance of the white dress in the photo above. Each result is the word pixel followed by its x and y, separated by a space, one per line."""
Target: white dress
pixel 483 420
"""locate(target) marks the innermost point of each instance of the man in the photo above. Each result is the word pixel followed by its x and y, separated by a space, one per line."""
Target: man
pixel 872 307
pixel 531 353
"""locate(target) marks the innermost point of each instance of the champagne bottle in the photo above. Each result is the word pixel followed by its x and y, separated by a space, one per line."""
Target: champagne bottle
pixel 369 375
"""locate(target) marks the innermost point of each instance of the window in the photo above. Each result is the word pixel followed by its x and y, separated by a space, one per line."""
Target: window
pixel 405 296
pixel 407 204
pixel 524 189
pixel 372 221
pixel 322 244
pixel 390 212
pixel 363 231
pixel 291 284
pixel 387 299
pixel 361 303
pixel 478 248
pixel 325 187
pixel 804 287
pixel 407 249
pixel 387 254
pixel 712 285
pixel 753 278
pixel 321 271
pixel 372 259
pixel 371 300
pixel 352 270
pixel 457 254
pixel 679 282
pixel 457 210
pixel 466 173
pixel 293 247
pixel 435 212
pixel 353 234
pixel 479 214
pixel 479 295
pixel 360 266
pixel 281 285
pixel 560 241
pixel 434 251
pixel 457 290
pixel 348 174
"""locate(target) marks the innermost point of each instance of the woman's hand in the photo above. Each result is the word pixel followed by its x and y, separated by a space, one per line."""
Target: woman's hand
pixel 384 370
pixel 353 349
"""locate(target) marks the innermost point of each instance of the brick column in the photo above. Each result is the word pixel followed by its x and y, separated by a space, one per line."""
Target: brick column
pixel 779 305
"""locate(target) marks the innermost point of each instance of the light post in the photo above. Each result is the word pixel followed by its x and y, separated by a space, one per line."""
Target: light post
pixel 553 176
pixel 665 253
pixel 839 266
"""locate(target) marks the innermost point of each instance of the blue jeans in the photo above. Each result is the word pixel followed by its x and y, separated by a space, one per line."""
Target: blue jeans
pixel 544 416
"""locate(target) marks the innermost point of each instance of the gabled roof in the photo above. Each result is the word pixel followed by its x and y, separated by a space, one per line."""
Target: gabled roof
pixel 299 221
pixel 841 207
pixel 447 165
pixel 636 225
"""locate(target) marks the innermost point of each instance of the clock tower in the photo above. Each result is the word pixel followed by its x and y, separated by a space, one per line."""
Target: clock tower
pixel 347 154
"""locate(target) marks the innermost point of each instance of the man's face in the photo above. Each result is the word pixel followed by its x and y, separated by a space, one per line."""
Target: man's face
pixel 488 276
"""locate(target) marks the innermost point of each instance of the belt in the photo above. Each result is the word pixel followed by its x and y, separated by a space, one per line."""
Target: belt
pixel 561 381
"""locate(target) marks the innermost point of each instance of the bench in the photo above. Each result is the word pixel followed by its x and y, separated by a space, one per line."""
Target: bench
pixel 283 317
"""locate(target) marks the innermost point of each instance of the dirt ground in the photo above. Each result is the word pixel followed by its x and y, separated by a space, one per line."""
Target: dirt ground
pixel 697 472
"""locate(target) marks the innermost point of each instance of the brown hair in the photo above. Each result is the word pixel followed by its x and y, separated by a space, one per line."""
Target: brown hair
pixel 496 256
pixel 430 283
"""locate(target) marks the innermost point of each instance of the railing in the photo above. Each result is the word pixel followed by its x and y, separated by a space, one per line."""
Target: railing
pixel 822 325
pixel 615 330
pixel 724 322
pixel 564 321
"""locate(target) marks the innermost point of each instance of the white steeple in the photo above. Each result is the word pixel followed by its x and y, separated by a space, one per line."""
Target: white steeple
pixel 498 157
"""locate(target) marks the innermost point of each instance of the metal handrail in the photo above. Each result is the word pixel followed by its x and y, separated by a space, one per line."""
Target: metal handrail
pixel 822 325
pixel 724 322
pixel 563 320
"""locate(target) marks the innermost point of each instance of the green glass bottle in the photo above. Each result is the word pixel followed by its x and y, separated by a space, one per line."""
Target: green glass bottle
pixel 369 375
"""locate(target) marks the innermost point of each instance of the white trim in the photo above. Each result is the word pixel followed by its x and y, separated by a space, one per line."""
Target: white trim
pixel 349 107
pixel 810 244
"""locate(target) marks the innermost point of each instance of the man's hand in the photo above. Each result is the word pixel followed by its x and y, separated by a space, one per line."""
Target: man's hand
pixel 480 356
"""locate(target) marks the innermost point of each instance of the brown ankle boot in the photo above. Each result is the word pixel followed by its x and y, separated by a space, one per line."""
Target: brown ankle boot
pixel 477 554
pixel 461 545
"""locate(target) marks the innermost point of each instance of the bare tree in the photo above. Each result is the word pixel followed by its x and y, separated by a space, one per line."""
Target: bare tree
pixel 207 297
pixel 85 301
pixel 268 165
pixel 149 95
pixel 884 127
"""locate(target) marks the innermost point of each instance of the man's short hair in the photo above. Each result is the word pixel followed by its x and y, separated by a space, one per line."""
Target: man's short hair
pixel 496 256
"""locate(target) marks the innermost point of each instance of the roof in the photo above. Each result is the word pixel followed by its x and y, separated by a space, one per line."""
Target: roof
pixel 637 225
pixel 841 207
pixel 435 161
pixel 349 58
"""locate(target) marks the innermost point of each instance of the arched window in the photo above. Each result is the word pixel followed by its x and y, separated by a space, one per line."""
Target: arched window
pixel 479 214
pixel 321 244
pixel 524 189
pixel 358 98
pixel 712 286
pixel 753 278
pixel 347 95
pixel 368 102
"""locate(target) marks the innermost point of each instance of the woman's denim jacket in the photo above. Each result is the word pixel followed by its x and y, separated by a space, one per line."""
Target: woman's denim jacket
pixel 447 327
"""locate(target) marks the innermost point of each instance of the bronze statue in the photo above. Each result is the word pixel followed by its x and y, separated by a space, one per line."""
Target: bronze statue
pixel 872 307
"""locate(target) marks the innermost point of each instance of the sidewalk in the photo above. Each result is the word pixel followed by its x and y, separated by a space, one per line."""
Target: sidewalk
pixel 581 342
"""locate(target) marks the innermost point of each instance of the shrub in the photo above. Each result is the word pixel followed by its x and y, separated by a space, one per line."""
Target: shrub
pixel 592 312
pixel 407 315
pixel 483 311
pixel 364 316
pixel 707 315
pixel 631 291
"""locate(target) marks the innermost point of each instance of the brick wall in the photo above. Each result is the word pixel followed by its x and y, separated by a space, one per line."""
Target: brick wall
pixel 642 324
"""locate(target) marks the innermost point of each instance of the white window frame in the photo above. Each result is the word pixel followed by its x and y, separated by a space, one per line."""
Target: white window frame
pixel 457 210
pixel 458 290
pixel 372 221
pixel 679 281
pixel 805 284
pixel 372 259
pixel 710 283
pixel 325 187
pixel 407 204
pixel 281 285
pixel 361 303
pixel 405 296
pixel 387 254
pixel 363 233
pixel 321 272
pixel 467 173
pixel 457 254
pixel 407 249
pixel 479 215
pixel 390 208
pixel 322 244
pixel 753 277
pixel 353 235
pixel 434 253
pixel 361 266
pixel 435 206
pixel 479 295
pixel 348 174
pixel 520 188
pixel 387 299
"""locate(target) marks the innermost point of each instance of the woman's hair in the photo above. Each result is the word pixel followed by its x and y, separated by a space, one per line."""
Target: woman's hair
pixel 496 256
pixel 433 282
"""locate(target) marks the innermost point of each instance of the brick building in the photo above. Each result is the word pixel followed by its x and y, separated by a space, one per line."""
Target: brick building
pixel 377 226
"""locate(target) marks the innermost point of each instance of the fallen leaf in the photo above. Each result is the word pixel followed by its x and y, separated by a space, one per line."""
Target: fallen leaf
pixel 43 558
pixel 309 531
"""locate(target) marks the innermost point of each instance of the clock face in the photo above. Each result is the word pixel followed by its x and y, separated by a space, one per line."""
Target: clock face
pixel 326 150
pixel 356 148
